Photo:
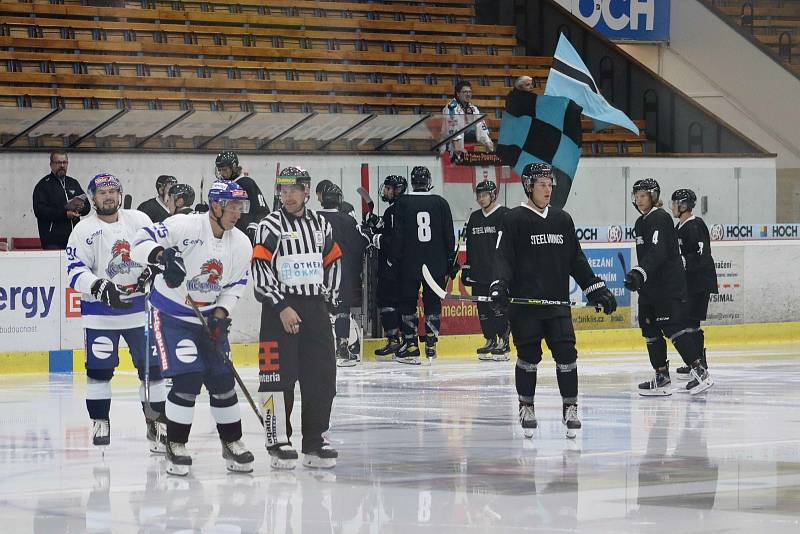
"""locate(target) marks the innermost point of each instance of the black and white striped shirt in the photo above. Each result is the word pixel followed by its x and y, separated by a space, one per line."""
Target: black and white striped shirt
pixel 295 256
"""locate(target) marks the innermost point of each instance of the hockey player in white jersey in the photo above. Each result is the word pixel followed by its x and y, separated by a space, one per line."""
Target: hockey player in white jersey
pixel 99 265
pixel 202 258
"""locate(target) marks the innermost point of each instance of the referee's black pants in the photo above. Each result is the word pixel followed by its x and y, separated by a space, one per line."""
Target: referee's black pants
pixel 307 357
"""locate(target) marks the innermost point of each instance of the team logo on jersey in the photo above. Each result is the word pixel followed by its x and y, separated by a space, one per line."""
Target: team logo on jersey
pixel 121 262
pixel 717 232
pixel 208 281
pixel 102 348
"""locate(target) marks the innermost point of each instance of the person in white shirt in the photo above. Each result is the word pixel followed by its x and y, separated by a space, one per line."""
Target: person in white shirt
pixel 457 114
pixel 204 261
pixel 99 265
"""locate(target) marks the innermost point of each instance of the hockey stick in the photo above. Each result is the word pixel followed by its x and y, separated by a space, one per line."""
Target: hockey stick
pixel 443 294
pixel 364 194
pixel 127 202
pixel 236 376
pixel 621 259
pixel 462 235
pixel 149 412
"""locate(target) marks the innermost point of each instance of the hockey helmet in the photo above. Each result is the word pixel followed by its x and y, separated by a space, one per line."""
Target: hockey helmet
pixel 104 181
pixel 230 195
pixel 685 198
pixel 486 186
pixel 421 179
pixel 398 183
pixel 331 195
pixel 227 159
pixel 165 181
pixel 184 191
pixel 534 171
pixel 292 176
pixel 648 185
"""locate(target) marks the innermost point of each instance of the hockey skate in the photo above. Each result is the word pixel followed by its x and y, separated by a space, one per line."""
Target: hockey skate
pixel 322 458
pixel 101 432
pixel 408 354
pixel 570 420
pixel 282 456
pixel 430 351
pixel 157 437
pixel 700 379
pixel 659 386
pixel 178 460
pixel 343 356
pixel 685 372
pixel 527 419
pixel 387 352
pixel 237 458
pixel 501 350
pixel 485 352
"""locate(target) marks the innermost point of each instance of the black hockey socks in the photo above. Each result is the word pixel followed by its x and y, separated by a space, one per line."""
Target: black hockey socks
pixel 98 408
pixel 225 410
pixel 525 378
pixel 390 320
pixel 567 376
pixel 657 350
pixel 685 343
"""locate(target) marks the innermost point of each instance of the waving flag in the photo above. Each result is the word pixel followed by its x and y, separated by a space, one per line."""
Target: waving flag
pixel 570 78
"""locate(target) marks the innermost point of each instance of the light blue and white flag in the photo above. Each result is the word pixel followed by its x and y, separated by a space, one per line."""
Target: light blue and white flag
pixel 569 77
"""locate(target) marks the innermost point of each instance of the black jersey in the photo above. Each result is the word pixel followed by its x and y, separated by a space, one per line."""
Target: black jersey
pixel 695 246
pixel 482 229
pixel 659 256
pixel 258 206
pixel 536 255
pixel 424 234
pixel 352 244
pixel 386 266
pixel 154 209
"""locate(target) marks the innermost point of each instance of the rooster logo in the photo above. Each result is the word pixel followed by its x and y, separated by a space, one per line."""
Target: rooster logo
pixel 209 279
pixel 121 262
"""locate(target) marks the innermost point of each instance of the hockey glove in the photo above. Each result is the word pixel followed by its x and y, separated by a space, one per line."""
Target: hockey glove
pixel 634 280
pixel 109 294
pixel 145 279
pixel 498 290
pixel 454 268
pixel 173 267
pixel 218 329
pixel 599 296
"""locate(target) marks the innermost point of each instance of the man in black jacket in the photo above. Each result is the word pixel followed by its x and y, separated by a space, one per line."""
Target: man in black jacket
pixel 58 203
pixel 156 208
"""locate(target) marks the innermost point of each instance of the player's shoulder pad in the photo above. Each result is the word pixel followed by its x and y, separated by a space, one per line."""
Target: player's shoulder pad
pixel 85 226
pixel 138 217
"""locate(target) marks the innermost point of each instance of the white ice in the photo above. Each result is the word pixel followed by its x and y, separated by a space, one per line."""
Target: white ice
pixel 431 450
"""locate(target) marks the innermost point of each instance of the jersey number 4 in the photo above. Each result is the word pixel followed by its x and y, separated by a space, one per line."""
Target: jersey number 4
pixel 423 226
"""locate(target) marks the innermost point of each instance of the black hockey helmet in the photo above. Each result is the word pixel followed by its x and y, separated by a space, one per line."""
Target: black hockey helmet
pixel 685 198
pixel 322 185
pixel 421 179
pixel 227 159
pixel 331 195
pixel 534 171
pixel 165 180
pixel 648 185
pixel 184 191
pixel 293 176
pixel 398 183
pixel 486 186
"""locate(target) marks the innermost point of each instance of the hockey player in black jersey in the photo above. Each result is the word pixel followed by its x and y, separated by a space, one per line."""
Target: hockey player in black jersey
pixel 661 282
pixel 227 168
pixel 381 233
pixel 352 244
pixel 482 229
pixel 424 236
pixel 701 275
pixel 537 252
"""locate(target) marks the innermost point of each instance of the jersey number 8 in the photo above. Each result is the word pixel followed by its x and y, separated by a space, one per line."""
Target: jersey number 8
pixel 423 226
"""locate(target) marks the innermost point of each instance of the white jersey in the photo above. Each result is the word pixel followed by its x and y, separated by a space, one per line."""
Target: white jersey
pixel 456 118
pixel 98 249
pixel 216 269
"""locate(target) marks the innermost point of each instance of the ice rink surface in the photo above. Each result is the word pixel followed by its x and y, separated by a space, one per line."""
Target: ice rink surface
pixel 431 450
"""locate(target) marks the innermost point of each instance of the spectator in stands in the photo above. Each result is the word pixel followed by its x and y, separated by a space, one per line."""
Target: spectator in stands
pixel 344 207
pixel 456 116
pixel 58 203
pixel 156 208
pixel 524 83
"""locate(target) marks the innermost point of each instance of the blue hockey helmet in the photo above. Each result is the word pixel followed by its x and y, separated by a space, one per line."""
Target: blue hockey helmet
pixel 229 195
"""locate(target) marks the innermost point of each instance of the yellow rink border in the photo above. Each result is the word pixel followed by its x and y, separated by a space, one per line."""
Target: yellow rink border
pixel 463 347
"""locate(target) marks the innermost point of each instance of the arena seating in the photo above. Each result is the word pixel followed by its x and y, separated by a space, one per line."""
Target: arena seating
pixel 263 56
pixel 775 23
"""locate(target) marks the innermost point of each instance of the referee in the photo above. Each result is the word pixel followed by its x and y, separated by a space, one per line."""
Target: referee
pixel 296 268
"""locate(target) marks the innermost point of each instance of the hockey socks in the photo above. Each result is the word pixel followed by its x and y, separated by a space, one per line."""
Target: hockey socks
pixel 567 376
pixel 525 378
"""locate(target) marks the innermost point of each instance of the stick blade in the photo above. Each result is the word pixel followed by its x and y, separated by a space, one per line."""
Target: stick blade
pixel 621 259
pixel 436 288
